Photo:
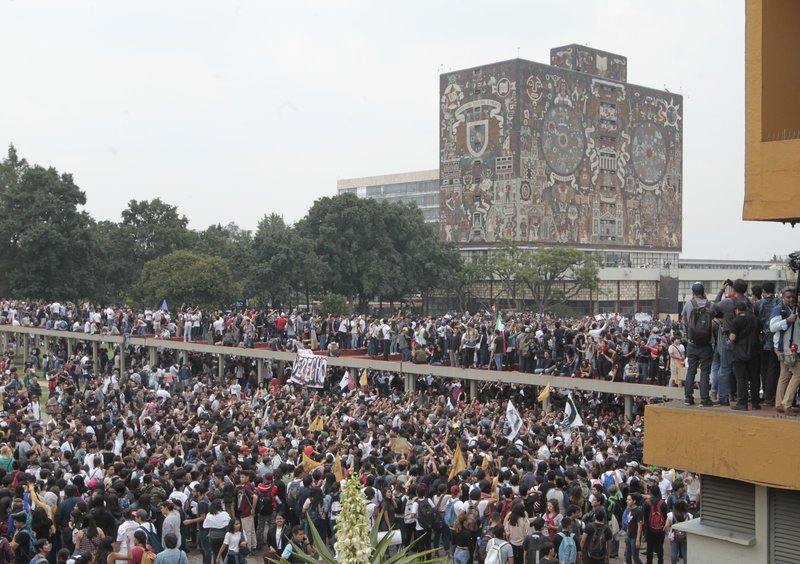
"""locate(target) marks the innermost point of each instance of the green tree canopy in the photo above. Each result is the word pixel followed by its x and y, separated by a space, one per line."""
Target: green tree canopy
pixel 555 275
pixel 154 228
pixel 374 249
pixel 187 277
pixel 45 237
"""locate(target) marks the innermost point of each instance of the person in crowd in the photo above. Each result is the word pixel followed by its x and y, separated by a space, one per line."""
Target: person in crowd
pixel 785 326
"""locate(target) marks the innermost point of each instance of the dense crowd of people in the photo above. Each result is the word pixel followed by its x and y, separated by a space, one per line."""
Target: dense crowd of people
pixel 151 462
pixel 600 347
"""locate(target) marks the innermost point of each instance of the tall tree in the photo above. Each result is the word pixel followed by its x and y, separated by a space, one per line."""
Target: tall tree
pixel 272 260
pixel 109 263
pixel 505 263
pixel 555 275
pixel 229 242
pixel 45 237
pixel 187 277
pixel 372 249
pixel 154 228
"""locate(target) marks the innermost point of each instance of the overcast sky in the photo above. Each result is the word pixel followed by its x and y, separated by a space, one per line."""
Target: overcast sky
pixel 232 110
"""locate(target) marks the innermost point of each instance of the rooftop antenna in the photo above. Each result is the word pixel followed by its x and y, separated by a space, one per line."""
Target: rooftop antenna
pixel 517 52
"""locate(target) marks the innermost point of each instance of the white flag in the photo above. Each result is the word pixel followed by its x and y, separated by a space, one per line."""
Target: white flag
pixel 345 380
pixel 513 422
pixel 571 416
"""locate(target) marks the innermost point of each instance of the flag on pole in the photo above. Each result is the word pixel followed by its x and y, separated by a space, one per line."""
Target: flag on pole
pixel 571 416
pixel 363 381
pixel 164 305
pixel 338 472
pixel 513 422
pixel 309 463
pixel 459 463
pixel 317 425
pixel 485 463
pixel 345 381
pixel 545 393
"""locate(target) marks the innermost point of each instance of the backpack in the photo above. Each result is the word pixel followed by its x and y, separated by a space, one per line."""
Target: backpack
pixel 292 492
pixel 315 516
pixel 494 552
pixel 655 519
pixel 608 481
pixel 597 544
pixel 488 511
pixel 567 550
pixel 505 509
pixel 336 506
pixel 700 324
pixel 450 513
pixel 679 535
pixel 438 516
pixel 472 509
pixel 407 513
pixel 534 543
pixel 266 502
pixel 425 513
pixel 148 557
pixel 152 540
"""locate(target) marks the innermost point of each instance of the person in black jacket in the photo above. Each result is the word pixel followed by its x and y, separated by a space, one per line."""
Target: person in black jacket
pixel 278 535
pixel 744 334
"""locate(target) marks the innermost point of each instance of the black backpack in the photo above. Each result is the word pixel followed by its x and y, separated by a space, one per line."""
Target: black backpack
pixel 425 513
pixel 597 544
pixel 700 323
pixel 266 503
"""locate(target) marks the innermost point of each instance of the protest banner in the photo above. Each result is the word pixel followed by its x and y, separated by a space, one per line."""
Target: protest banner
pixel 309 369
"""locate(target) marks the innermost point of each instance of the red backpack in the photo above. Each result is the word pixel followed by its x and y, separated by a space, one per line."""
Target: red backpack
pixel 655 520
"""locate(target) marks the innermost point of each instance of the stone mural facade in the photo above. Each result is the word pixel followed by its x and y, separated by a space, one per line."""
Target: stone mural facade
pixel 548 154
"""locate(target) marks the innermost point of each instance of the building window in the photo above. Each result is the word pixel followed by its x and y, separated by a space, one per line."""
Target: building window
pixel 723 498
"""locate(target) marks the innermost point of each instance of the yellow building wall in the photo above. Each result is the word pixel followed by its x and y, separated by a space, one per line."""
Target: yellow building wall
pixel 772 120
pixel 720 442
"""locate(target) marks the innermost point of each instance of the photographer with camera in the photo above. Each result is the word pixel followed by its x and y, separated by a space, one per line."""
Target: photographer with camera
pixel 784 325
pixel 724 311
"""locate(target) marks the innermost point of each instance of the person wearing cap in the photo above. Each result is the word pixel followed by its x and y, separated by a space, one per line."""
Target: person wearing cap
pixel 697 354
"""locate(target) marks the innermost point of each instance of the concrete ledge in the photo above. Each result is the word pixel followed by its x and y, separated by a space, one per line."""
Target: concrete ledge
pixel 696 527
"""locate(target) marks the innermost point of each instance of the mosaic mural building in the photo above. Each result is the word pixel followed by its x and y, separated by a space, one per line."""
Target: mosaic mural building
pixel 567 153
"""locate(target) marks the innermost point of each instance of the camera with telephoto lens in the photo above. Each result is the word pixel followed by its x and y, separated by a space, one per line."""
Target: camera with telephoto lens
pixel 794 261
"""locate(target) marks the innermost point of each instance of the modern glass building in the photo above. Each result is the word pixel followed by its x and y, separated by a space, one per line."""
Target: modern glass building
pixel 420 188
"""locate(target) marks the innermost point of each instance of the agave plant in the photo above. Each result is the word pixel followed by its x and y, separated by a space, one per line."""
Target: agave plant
pixel 355 542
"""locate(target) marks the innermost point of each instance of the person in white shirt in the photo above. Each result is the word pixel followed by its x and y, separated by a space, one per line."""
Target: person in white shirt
pixel 124 541
pixel 677 357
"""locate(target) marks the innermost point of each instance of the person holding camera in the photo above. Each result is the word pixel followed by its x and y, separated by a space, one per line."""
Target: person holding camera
pixel 786 330
pixel 724 311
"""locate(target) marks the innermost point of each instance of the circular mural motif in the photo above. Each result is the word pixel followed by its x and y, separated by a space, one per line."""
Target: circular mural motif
pixel 525 191
pixel 562 139
pixel 649 153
